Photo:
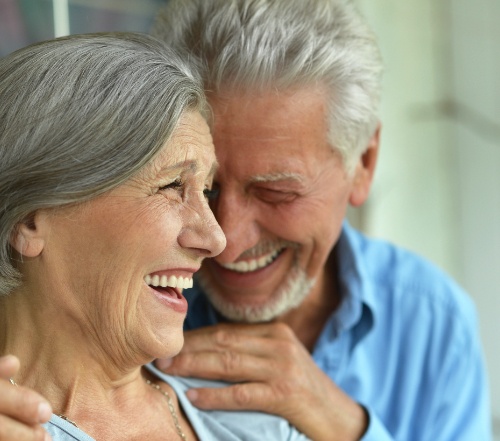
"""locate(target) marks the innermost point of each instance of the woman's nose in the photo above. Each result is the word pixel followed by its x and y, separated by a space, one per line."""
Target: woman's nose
pixel 201 231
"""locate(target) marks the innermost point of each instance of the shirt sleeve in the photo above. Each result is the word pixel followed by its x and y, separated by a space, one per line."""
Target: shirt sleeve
pixel 376 430
pixel 459 409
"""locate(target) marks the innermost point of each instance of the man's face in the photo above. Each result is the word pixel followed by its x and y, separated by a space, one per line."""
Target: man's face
pixel 283 196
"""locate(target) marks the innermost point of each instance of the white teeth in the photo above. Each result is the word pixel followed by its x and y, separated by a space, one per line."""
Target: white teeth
pixel 163 281
pixel 171 281
pixel 246 266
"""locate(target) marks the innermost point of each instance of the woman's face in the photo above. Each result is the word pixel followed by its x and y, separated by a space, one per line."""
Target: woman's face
pixel 104 257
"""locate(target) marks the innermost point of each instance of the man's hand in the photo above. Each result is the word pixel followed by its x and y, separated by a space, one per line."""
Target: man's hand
pixel 273 372
pixel 21 410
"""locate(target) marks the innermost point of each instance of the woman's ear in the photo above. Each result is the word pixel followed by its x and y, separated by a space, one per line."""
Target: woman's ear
pixel 365 170
pixel 27 238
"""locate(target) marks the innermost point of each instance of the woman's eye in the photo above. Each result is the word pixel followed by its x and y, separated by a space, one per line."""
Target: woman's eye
pixel 173 185
pixel 211 193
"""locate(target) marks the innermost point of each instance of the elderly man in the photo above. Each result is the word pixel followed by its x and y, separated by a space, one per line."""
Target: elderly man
pixel 347 337
pixel 357 339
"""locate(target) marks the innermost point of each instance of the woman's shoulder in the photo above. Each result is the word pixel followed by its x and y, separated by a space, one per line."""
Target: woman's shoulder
pixel 62 430
pixel 219 425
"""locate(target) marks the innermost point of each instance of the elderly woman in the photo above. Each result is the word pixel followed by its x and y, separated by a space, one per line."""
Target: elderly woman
pixel 106 164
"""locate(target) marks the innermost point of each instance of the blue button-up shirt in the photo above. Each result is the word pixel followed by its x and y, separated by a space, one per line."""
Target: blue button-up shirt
pixel 404 343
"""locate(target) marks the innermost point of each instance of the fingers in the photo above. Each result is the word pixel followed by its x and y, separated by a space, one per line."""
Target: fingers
pixel 12 430
pixel 20 403
pixel 9 366
pixel 225 365
pixel 23 404
pixel 241 396
pixel 233 335
pixel 21 409
pixel 235 353
pixel 255 359
pixel 221 337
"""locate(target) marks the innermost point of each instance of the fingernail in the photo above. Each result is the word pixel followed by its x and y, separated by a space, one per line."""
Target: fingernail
pixel 9 359
pixel 44 412
pixel 192 395
pixel 163 363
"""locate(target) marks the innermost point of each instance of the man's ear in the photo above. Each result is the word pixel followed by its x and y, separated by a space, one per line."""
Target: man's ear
pixel 365 170
pixel 27 238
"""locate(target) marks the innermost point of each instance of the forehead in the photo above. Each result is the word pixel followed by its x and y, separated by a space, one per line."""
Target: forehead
pixel 271 132
pixel 190 141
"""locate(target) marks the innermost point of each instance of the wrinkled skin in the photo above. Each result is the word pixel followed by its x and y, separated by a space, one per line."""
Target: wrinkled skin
pixel 22 411
pixel 279 181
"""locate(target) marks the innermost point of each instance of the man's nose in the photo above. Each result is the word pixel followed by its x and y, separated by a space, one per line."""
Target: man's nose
pixel 238 219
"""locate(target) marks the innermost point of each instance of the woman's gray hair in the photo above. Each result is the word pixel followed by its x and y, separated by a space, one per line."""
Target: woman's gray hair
pixel 284 43
pixel 79 116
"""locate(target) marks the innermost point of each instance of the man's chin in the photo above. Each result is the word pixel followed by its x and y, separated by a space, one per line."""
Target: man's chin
pixel 296 289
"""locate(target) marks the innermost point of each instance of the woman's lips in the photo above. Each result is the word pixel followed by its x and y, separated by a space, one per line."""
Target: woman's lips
pixel 168 281
pixel 168 285
pixel 171 297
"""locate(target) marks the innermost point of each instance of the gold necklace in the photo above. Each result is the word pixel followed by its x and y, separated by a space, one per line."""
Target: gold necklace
pixel 171 408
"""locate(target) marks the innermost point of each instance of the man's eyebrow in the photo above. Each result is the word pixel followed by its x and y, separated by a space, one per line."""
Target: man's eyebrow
pixel 282 176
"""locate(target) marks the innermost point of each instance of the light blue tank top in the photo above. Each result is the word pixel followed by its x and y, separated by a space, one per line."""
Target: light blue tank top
pixel 208 425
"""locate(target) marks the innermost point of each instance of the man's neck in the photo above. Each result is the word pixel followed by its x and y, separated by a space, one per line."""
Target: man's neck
pixel 309 319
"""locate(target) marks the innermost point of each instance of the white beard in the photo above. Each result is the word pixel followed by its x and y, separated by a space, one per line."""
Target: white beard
pixel 285 298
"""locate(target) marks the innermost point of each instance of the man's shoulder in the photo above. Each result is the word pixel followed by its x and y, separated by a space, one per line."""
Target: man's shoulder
pixel 397 275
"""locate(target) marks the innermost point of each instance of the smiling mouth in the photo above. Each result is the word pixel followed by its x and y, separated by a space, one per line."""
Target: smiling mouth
pixel 169 281
pixel 247 266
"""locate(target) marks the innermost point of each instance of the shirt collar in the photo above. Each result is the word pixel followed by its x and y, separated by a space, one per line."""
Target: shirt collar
pixel 358 306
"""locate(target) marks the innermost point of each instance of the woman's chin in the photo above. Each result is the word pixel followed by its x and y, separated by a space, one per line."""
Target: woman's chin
pixel 170 345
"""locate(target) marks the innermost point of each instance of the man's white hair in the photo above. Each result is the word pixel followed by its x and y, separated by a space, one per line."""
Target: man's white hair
pixel 279 44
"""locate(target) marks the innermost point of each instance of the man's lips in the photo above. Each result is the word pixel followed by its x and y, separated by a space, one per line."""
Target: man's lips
pixel 236 280
pixel 255 264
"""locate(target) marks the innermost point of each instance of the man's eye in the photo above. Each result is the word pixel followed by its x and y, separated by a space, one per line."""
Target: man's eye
pixel 211 193
pixel 173 185
pixel 274 196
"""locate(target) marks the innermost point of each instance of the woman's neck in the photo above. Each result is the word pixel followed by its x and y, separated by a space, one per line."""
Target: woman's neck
pixel 106 397
pixel 58 358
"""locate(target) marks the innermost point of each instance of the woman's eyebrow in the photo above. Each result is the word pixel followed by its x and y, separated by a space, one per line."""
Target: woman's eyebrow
pixel 189 164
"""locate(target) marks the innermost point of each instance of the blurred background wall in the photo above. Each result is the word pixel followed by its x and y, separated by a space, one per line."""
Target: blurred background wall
pixel 437 190
pixel 437 187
